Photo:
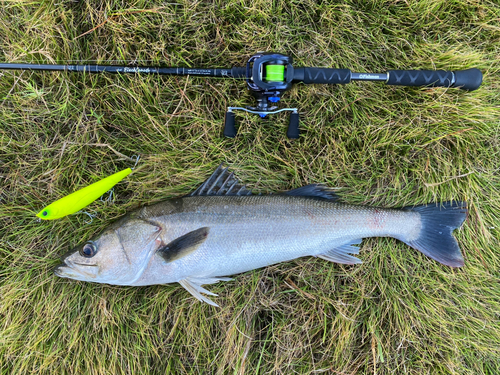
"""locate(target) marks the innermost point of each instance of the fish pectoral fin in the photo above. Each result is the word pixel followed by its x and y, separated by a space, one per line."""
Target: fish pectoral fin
pixel 183 245
pixel 340 254
pixel 193 286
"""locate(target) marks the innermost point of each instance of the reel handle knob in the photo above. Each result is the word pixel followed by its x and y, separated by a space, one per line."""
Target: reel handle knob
pixel 293 126
pixel 229 128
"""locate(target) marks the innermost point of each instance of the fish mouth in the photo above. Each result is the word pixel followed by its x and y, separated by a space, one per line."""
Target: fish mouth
pixel 62 270
pixel 67 269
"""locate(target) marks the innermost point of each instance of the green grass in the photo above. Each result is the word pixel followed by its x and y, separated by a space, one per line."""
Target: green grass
pixel 398 312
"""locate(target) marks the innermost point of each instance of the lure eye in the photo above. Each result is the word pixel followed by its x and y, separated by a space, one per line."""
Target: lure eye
pixel 88 250
pixel 45 213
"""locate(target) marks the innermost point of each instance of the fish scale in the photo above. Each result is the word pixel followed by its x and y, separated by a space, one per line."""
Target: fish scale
pixel 256 231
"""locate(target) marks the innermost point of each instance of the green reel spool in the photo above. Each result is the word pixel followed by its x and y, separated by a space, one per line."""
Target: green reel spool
pixel 275 73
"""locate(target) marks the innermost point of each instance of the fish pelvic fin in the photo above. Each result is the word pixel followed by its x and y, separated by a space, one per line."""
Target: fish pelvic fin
pixel 221 182
pixel 341 255
pixel 194 286
pixel 183 245
pixel 436 239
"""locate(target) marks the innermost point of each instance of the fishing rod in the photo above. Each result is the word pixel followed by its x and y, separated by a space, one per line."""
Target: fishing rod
pixel 268 75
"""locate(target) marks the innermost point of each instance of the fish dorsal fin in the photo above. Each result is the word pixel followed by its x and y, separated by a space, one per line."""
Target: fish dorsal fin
pixel 313 191
pixel 341 253
pixel 221 182
pixel 194 286
pixel 183 245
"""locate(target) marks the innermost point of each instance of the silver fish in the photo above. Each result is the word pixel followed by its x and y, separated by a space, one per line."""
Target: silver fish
pixel 222 229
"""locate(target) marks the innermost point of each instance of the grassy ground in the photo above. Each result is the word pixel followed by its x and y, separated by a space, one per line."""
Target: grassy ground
pixel 398 312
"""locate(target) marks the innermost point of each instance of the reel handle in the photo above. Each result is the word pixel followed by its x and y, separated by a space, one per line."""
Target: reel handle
pixel 229 128
pixel 293 126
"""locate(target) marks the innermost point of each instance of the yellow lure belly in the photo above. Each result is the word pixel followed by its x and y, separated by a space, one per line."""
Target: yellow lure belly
pixel 81 198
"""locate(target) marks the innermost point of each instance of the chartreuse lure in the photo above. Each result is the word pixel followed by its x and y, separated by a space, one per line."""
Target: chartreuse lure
pixel 81 198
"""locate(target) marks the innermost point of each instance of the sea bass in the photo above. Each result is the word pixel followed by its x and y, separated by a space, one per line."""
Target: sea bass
pixel 221 229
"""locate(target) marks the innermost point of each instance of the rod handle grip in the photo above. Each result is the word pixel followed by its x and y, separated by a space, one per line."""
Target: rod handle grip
pixel 322 75
pixel 469 79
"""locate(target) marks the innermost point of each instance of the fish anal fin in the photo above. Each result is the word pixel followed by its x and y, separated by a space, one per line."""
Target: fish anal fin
pixel 317 191
pixel 194 286
pixel 183 245
pixel 340 254
pixel 221 182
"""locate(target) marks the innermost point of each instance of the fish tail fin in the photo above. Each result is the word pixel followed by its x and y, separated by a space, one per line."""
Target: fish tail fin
pixel 436 239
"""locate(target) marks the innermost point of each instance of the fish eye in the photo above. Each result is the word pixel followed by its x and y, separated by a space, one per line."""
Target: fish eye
pixel 88 250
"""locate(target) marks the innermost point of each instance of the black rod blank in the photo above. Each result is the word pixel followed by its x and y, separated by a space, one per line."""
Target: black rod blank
pixel 217 72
